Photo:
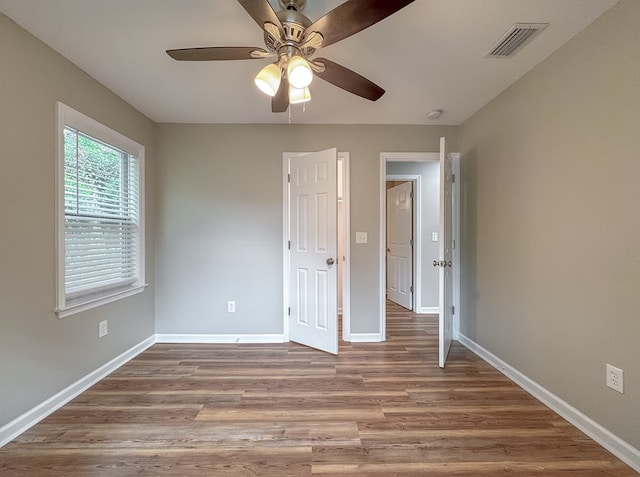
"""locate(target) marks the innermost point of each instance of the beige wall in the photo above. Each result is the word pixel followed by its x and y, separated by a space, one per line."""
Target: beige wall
pixel 39 353
pixel 219 229
pixel 551 229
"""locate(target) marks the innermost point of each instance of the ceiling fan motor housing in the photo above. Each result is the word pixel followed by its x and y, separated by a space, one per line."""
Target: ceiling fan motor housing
pixel 294 24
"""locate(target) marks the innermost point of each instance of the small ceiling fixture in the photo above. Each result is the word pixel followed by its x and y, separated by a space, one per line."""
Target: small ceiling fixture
pixel 291 38
pixel 435 114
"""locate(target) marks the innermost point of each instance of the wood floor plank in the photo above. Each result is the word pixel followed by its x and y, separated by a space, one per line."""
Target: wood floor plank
pixel 264 413
pixel 591 468
pixel 234 434
pixel 285 410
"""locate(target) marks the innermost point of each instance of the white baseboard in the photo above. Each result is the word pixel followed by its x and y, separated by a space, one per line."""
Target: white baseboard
pixel 429 310
pixel 13 429
pixel 366 338
pixel 219 339
pixel 618 447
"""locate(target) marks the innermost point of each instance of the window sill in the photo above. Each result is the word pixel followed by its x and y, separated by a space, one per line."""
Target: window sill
pixel 93 302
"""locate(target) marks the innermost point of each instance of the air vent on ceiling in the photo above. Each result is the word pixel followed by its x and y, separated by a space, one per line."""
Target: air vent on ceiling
pixel 515 38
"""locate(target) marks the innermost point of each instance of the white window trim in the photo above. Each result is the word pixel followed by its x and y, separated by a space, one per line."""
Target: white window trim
pixel 66 116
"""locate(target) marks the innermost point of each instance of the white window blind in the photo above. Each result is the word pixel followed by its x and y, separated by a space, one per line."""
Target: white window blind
pixel 102 228
pixel 101 214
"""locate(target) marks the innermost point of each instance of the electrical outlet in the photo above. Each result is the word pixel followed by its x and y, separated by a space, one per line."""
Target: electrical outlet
pixel 615 378
pixel 103 328
pixel 231 306
pixel 361 237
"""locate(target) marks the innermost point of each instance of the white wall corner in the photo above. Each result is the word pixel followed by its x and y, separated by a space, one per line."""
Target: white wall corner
pixel 614 444
pixel 22 423
pixel 221 338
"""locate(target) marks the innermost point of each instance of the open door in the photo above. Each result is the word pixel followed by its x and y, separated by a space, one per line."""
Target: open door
pixel 399 245
pixel 446 254
pixel 313 276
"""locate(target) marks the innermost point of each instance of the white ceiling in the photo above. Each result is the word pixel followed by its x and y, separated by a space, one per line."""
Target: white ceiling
pixel 430 55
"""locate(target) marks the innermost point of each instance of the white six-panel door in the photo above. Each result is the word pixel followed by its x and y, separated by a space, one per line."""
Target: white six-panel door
pixel 399 249
pixel 313 250
pixel 446 254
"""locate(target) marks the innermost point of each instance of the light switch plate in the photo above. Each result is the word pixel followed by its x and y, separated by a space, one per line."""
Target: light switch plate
pixel 361 237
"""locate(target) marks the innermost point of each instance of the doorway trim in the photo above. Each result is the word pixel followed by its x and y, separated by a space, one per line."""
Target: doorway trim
pixel 343 160
pixel 417 157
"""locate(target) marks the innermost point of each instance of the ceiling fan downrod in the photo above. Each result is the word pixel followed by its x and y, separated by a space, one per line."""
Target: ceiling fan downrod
pixel 295 5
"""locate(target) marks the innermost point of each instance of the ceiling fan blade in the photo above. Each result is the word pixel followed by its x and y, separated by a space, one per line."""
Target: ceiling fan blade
pixel 216 53
pixel 348 80
pixel 353 16
pixel 261 12
pixel 280 102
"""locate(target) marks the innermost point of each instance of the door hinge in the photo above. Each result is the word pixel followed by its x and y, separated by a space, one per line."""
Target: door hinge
pixel 289 178
pixel 453 310
pixel 289 311
pixel 453 244
pixel 411 288
pixel 289 245
pixel 411 195
pixel 411 242
pixel 453 178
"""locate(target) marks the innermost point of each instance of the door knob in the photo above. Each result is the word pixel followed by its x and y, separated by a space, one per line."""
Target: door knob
pixel 330 261
pixel 435 263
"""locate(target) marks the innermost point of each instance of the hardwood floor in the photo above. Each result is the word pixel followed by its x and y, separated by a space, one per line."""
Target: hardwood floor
pixel 285 410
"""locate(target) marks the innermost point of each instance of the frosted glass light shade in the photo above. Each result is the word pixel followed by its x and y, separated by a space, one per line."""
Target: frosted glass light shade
pixel 299 72
pixel 268 79
pixel 299 95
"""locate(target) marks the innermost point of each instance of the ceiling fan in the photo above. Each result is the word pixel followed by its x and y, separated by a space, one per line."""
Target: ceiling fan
pixel 292 39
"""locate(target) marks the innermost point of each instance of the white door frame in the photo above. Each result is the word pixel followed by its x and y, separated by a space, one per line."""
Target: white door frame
pixel 417 157
pixel 343 159
pixel 416 235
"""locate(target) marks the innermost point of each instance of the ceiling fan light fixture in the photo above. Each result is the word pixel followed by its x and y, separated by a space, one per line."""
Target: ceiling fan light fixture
pixel 299 72
pixel 268 79
pixel 291 37
pixel 299 95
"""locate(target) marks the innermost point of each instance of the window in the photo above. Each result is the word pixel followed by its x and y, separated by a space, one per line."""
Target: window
pixel 100 214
